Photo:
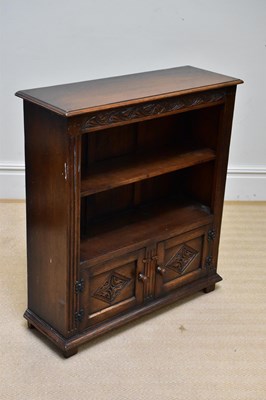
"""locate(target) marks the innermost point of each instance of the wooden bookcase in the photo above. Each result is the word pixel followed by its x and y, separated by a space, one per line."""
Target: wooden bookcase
pixel 125 183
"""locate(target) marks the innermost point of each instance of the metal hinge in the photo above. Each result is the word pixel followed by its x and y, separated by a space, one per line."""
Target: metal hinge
pixel 79 286
pixel 208 263
pixel 211 234
pixel 79 315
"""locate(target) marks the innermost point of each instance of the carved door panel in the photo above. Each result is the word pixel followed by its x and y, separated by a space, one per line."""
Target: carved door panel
pixel 111 288
pixel 181 260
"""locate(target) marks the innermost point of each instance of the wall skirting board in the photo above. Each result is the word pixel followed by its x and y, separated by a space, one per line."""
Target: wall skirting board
pixel 244 183
pixel 12 181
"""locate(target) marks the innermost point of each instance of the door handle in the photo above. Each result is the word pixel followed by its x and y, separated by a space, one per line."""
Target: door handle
pixel 161 270
pixel 142 277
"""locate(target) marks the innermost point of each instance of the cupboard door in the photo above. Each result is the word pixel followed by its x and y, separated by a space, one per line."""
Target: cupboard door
pixel 111 288
pixel 181 260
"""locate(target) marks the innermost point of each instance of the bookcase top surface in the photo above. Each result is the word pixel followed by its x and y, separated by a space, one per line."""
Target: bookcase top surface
pixel 82 97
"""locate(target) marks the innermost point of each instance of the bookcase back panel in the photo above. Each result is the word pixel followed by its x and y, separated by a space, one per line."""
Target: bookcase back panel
pixel 189 130
pixel 107 204
pixel 109 143
pixel 198 183
pixel 195 183
pixel 204 126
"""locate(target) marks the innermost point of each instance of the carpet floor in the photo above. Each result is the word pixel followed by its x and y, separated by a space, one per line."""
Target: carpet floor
pixel 209 346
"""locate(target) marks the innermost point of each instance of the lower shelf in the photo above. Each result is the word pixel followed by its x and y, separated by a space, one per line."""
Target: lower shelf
pixel 130 230
pixel 70 345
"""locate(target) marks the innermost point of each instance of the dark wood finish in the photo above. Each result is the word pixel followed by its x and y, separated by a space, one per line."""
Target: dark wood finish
pixel 209 289
pixel 48 215
pixel 82 97
pixel 112 287
pixel 125 181
pixel 73 342
pixel 70 352
pixel 181 259
pixel 30 326
pixel 140 226
pixel 128 169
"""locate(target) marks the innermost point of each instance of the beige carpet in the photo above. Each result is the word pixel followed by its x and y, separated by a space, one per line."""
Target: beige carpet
pixel 210 346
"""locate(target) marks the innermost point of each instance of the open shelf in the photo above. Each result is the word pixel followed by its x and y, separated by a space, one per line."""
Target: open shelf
pixel 131 229
pixel 119 171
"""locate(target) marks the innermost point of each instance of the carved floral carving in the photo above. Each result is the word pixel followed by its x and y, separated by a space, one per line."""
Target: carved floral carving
pixel 111 288
pixel 159 107
pixel 181 260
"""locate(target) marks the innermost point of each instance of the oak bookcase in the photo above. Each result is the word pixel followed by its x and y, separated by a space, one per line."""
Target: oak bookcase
pixel 125 181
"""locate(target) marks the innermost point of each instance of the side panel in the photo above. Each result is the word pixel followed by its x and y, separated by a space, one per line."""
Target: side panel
pixel 223 145
pixel 48 215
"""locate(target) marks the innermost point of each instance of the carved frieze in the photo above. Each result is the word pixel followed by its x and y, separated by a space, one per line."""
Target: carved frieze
pixel 150 109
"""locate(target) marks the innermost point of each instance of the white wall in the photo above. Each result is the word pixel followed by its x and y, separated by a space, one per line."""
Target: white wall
pixel 59 41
